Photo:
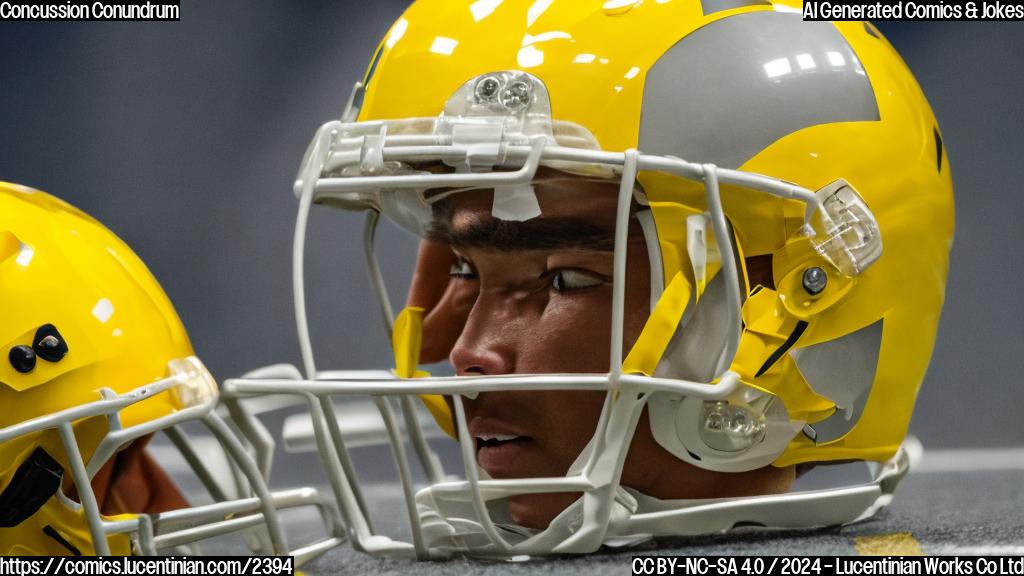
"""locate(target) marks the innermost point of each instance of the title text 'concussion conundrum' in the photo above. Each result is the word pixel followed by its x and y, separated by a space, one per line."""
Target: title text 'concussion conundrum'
pixel 90 10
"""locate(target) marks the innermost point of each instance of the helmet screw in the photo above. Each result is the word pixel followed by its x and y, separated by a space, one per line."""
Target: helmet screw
pixel 22 358
pixel 487 89
pixel 815 280
pixel 516 95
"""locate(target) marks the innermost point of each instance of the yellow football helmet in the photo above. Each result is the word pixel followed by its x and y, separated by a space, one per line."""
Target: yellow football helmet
pixel 744 134
pixel 95 358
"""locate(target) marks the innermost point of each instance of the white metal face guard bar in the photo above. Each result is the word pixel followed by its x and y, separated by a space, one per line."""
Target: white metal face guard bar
pixel 153 532
pixel 626 393
pixel 363 193
pixel 597 479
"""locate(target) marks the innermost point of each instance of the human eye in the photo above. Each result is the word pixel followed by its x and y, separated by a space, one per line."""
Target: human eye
pixel 571 279
pixel 462 269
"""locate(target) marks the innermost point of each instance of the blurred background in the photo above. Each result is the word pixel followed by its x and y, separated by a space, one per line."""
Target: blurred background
pixel 184 138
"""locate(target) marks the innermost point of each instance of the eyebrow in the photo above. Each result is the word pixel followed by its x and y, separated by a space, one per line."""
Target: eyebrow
pixel 508 236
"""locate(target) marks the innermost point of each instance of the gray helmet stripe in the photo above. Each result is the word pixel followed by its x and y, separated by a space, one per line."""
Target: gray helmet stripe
pixel 712 6
pixel 724 93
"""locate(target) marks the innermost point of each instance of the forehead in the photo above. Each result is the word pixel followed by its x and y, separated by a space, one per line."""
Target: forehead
pixel 560 197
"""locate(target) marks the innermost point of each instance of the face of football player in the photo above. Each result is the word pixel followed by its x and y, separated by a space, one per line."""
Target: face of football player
pixel 536 297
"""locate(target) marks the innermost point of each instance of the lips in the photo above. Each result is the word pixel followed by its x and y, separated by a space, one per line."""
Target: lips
pixel 499 446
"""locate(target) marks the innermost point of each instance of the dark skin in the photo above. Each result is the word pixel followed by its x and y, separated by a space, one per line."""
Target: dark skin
pixel 502 310
pixel 132 482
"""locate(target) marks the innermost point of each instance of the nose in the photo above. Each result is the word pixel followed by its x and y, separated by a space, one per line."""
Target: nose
pixel 488 343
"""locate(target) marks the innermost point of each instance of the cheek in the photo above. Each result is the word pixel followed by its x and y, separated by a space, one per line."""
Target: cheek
pixel 571 334
pixel 561 423
pixel 638 294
